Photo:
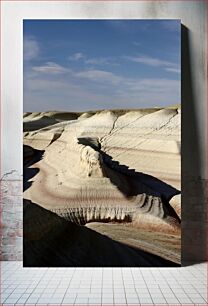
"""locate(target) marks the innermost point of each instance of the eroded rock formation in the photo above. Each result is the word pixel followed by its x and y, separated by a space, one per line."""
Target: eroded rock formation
pixel 107 166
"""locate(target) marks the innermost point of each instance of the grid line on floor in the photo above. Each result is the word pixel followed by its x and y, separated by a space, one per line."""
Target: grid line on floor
pixel 103 286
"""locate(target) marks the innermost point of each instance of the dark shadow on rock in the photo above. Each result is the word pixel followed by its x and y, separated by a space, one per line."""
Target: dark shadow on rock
pixel 156 187
pixel 194 241
pixel 132 183
pixel 38 124
pixel 51 241
pixel 28 174
pixel 30 156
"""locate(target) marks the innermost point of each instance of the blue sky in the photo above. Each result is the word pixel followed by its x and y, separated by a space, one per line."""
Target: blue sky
pixel 78 65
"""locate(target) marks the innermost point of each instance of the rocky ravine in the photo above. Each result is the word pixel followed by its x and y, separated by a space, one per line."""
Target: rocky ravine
pixel 121 167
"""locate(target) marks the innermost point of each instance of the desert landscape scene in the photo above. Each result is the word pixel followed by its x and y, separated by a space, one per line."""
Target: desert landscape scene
pixel 116 173
pixel 101 143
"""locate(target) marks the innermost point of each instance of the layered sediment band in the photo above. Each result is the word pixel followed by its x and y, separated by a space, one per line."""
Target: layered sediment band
pixel 108 166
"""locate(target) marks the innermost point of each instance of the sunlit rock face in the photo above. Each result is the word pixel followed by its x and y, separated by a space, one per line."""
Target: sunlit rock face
pixel 107 166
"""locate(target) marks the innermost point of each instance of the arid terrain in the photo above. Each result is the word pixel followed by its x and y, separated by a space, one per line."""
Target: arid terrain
pixel 102 188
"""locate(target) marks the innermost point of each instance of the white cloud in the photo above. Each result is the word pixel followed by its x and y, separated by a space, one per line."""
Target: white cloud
pixel 49 87
pixel 62 92
pixel 99 75
pixel 50 68
pixel 76 56
pixel 31 48
pixel 151 61
pixel 153 85
pixel 154 62
pixel 149 92
pixel 175 70
pixel 91 61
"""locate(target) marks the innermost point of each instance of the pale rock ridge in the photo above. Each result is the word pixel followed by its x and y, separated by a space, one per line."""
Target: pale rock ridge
pixel 91 162
pixel 81 184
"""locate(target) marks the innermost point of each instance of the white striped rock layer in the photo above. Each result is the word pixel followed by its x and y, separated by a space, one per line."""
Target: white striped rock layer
pixel 106 166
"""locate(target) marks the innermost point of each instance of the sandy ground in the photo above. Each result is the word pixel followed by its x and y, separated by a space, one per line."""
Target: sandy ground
pixel 164 245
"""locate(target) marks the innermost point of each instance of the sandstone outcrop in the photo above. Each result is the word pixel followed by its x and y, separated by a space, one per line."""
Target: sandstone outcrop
pixel 106 166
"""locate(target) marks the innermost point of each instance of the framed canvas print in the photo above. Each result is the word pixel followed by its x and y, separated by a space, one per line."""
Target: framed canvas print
pixel 102 144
